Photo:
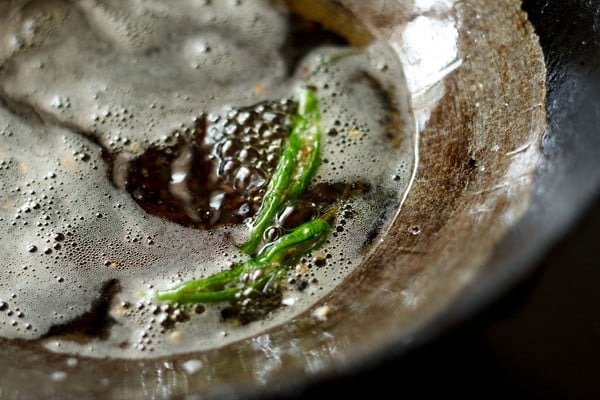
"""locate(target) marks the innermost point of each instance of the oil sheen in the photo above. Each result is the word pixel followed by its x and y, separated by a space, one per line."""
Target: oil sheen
pixel 136 142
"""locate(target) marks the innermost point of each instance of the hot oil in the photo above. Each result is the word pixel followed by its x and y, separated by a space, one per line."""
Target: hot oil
pixel 133 160
pixel 219 175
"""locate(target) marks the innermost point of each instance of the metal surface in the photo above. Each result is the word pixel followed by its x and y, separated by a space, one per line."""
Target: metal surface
pixel 478 152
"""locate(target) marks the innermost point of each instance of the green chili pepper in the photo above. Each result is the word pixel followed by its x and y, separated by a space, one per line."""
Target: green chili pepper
pixel 295 244
pixel 254 275
pixel 297 165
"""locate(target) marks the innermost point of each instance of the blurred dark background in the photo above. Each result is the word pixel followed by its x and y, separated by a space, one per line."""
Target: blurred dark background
pixel 541 337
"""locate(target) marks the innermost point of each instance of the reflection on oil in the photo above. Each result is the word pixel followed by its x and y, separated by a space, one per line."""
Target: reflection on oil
pixel 424 34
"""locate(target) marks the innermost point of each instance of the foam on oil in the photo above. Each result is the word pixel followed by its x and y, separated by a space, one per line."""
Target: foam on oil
pixel 111 110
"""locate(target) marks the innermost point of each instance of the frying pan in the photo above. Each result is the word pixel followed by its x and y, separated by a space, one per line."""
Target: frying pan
pixel 560 222
pixel 369 328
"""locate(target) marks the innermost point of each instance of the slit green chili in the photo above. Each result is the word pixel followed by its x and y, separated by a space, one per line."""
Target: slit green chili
pixel 297 165
pixel 254 274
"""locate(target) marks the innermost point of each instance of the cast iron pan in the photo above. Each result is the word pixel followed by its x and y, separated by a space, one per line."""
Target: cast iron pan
pixel 548 254
pixel 339 357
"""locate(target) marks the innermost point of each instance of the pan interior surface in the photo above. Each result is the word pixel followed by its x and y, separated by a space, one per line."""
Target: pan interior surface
pixel 468 93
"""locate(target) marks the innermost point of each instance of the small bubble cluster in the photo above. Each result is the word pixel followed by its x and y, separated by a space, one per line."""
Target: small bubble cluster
pixel 248 142
pixel 219 175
